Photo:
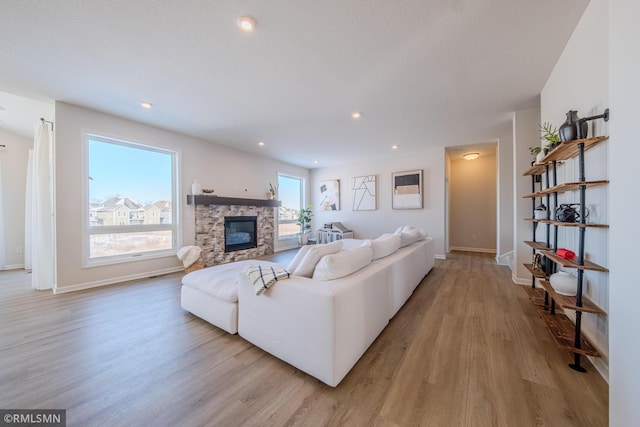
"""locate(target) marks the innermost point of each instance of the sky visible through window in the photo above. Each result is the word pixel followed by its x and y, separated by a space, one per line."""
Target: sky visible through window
pixel 289 191
pixel 121 170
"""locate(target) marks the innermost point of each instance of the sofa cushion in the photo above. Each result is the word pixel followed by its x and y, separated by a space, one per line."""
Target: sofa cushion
pixel 343 263
pixel 385 245
pixel 407 238
pixel 313 255
pixel 218 281
pixel 295 262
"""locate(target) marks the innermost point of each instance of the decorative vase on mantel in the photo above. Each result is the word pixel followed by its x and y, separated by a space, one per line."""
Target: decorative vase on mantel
pixel 569 129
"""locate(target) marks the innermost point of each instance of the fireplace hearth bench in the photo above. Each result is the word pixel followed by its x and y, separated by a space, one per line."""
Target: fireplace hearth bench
pixel 320 326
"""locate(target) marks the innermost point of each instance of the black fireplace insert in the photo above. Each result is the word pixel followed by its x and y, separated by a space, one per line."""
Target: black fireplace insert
pixel 240 232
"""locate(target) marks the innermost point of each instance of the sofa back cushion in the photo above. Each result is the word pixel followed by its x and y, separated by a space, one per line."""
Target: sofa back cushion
pixel 295 262
pixel 343 263
pixel 385 245
pixel 313 255
pixel 407 238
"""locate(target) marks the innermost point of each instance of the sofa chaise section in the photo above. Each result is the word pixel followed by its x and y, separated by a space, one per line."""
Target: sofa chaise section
pixel 320 327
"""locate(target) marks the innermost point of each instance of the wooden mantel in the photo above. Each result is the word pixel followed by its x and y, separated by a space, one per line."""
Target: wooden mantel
pixel 204 199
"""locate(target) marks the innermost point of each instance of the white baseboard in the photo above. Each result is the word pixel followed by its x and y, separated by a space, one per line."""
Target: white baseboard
pixel 601 367
pixel 13 267
pixel 485 251
pixel 505 259
pixel 520 280
pixel 115 280
pixel 286 248
pixel 440 256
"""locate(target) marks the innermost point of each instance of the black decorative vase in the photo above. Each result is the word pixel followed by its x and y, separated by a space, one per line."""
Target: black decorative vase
pixel 569 129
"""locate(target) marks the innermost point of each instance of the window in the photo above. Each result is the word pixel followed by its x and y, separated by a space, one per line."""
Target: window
pixel 291 194
pixel 124 181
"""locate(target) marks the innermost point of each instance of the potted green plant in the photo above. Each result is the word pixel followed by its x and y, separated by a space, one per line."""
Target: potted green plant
pixel 549 134
pixel 304 220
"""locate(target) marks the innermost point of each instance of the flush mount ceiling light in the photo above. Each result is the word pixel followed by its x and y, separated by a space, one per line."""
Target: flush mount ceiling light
pixel 146 104
pixel 316 162
pixel 471 156
pixel 246 23
pixel 356 115
pixel 395 146
pixel 261 143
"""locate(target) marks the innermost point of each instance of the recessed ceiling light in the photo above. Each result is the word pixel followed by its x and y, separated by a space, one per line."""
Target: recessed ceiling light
pixel 146 104
pixel 261 143
pixel 246 23
pixel 316 162
pixel 471 156
pixel 356 115
pixel 395 146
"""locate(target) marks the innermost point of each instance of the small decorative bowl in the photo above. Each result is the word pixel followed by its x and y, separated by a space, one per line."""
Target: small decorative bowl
pixel 208 190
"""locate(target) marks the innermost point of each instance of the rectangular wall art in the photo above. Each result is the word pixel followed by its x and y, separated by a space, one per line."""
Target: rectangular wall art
pixel 330 195
pixel 407 189
pixel 363 190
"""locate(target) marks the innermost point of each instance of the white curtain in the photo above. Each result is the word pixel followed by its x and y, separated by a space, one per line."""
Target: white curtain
pixel 40 215
pixel 28 238
pixel 3 243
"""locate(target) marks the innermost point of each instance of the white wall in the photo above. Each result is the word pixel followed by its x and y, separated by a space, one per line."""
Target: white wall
pixel 370 224
pixel 226 170
pixel 504 249
pixel 14 178
pixel 525 135
pixel 586 89
pixel 624 152
pixel 472 191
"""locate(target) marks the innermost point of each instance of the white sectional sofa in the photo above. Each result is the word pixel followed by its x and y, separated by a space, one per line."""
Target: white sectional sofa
pixel 321 327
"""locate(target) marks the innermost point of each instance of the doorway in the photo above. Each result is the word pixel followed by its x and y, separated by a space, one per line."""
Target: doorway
pixel 472 183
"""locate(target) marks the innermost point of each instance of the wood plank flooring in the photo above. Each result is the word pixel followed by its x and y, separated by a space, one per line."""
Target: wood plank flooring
pixel 467 349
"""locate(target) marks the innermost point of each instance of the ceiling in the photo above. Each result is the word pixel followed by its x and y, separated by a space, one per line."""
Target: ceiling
pixel 424 73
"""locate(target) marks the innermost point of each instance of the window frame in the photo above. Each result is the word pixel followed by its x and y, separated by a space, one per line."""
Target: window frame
pixel 302 205
pixel 88 230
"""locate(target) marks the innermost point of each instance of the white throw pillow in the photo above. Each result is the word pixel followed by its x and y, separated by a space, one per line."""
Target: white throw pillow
pixel 343 263
pixel 313 255
pixel 295 262
pixel 409 237
pixel 385 245
pixel 408 228
pixel 398 230
pixel 423 232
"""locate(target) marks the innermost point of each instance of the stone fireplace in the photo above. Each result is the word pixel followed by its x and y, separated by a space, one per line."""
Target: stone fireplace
pixel 210 215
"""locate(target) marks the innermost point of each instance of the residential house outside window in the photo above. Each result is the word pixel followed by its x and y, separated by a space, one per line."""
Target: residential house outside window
pixel 131 200
pixel 291 194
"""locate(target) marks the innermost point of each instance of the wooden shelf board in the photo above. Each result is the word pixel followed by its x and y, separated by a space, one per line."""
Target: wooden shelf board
pixel 566 224
pixel 570 186
pixel 569 149
pixel 569 303
pixel 539 246
pixel 577 224
pixel 536 169
pixel 217 201
pixel 563 331
pixel 536 295
pixel 538 274
pixel 588 265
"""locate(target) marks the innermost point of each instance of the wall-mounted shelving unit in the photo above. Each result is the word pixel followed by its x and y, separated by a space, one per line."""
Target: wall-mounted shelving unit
pixel 566 333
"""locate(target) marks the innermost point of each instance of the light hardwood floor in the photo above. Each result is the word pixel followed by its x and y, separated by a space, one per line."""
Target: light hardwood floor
pixel 467 349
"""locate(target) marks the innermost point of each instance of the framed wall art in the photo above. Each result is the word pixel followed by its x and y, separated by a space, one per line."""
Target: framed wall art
pixel 363 191
pixel 407 189
pixel 330 195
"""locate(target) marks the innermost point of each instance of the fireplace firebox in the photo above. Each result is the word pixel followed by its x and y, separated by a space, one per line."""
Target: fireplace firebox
pixel 240 232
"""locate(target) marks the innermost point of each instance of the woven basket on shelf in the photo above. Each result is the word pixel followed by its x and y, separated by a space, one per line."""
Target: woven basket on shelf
pixel 196 265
